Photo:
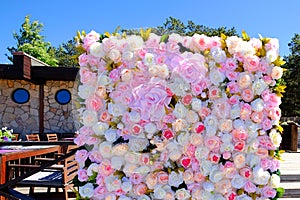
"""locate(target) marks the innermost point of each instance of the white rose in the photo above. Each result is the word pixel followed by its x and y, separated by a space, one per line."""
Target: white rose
pixel 271 55
pixel 143 197
pixel 175 179
pixel 134 42
pixel 275 137
pixel 215 174
pixel 243 197
pixel 111 135
pixel 182 194
pixel 134 116
pixel 96 49
pixel 226 138
pixel 112 183
pixel 253 160
pixel 208 186
pixel 126 186
pixel 183 138
pixel 235 111
pixel 196 104
pixel 259 86
pixel 175 155
pixel 114 55
pixel 89 118
pixel 127 56
pixel 211 124
pixel 87 190
pixel 238 181
pixel 179 86
pixel 257 105
pixel 143 170
pixel 159 193
pixel 216 76
pixel 201 153
pixel 116 109
pixel 117 162
pixel 129 169
pixel 105 149
pixel 123 197
pixel 103 80
pixel 150 128
pixel 276 72
pixel 138 144
pixel 219 197
pixel 205 167
pixel 205 195
pixel 260 177
pixel 92 168
pixel 163 71
pixel 149 59
pixel 218 54
pixel 275 181
pixel 84 91
pixel 99 128
pixel 244 80
pixel 226 147
pixel 192 117
pixel 126 75
pixel 132 157
pixel 180 110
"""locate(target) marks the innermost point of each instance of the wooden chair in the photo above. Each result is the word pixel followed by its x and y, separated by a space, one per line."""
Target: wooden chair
pixel 52 137
pixel 33 137
pixel 56 176
pixel 16 137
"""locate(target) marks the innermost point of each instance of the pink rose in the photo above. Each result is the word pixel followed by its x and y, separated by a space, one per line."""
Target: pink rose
pixel 187 99
pixel 245 111
pixel 94 103
pixel 274 113
pixel 192 69
pixel 162 177
pixel 136 178
pixel 105 116
pixel 268 192
pixel 239 146
pixel 105 168
pixel 239 135
pixel 89 39
pixel 212 143
pixel 257 117
pixel 83 60
pixel 265 142
pixel 168 134
pixel 265 163
pixel 214 93
pixel 204 112
pixel 95 156
pixel 233 100
pixel 185 162
pixel 230 64
pixel 151 180
pixel 223 186
pixel 201 42
pixel 214 158
pixel 140 189
pixel 82 175
pixel 233 87
pixel 266 124
pixel 250 187
pixel 247 95
pixel 246 172
pixel 86 76
pixel 100 192
pixel 81 155
pixel 151 99
pixel 252 63
pixel 262 152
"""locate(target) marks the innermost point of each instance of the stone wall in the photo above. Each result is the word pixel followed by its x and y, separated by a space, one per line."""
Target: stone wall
pixel 58 118
pixel 24 118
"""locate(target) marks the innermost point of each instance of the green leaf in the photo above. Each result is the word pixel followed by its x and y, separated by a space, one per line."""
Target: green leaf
pixel 280 192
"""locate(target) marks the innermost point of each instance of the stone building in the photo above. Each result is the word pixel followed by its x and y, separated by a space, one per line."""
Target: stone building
pixel 37 98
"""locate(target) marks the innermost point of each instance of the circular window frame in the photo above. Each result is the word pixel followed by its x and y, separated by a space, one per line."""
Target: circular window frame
pixel 57 96
pixel 16 100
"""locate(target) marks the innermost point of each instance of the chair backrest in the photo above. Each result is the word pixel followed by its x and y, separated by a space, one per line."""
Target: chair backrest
pixel 33 137
pixel 52 137
pixel 16 137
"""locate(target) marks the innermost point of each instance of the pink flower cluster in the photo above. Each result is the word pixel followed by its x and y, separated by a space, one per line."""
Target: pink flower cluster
pixel 163 123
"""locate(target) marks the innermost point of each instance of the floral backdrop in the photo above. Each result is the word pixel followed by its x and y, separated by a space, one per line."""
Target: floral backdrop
pixel 179 117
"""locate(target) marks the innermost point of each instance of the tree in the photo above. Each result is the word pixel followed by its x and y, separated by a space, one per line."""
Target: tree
pixel 290 102
pixel 67 54
pixel 31 42
pixel 173 25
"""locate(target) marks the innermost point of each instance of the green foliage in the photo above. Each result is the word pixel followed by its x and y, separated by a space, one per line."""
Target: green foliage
pixel 67 54
pixel 173 25
pixel 31 42
pixel 290 102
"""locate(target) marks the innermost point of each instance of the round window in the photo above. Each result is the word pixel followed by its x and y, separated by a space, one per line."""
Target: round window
pixel 63 96
pixel 20 95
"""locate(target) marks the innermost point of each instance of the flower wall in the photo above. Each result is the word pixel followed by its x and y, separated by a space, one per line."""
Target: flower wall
pixel 179 117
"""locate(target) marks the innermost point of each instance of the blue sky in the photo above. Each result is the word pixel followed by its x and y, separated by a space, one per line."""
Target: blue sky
pixel 63 18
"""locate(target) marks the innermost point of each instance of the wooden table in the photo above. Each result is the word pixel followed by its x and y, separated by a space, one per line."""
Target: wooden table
pixel 11 154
